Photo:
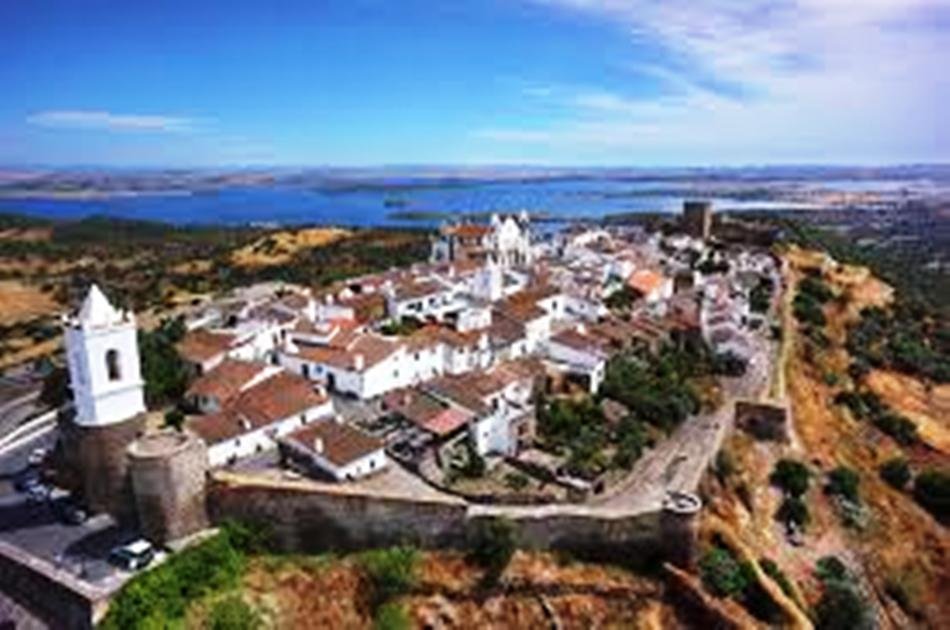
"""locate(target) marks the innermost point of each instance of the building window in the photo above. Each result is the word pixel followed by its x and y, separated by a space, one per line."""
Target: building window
pixel 112 365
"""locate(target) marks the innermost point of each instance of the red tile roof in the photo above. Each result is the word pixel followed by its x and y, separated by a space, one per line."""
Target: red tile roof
pixel 225 381
pixel 276 398
pixel 198 346
pixel 340 444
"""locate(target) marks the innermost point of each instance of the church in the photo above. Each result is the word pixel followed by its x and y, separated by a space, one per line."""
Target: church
pixel 505 239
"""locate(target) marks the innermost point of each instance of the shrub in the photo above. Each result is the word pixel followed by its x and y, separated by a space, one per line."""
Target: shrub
pixel 896 472
pixel 492 546
pixel 843 482
pixel 791 476
pixel 174 419
pixel 392 572
pixel 793 510
pixel 391 616
pixel 723 574
pixel 724 466
pixel 162 594
pixel 771 569
pixel 842 608
pixel 516 481
pixel 932 492
pixel 831 569
pixel 233 613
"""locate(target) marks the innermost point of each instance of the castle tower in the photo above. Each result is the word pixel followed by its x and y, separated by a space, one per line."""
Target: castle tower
pixel 103 356
pixel 104 374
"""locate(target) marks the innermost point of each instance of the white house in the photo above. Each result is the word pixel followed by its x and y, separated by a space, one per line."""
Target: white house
pixel 252 421
pixel 103 359
pixel 579 353
pixel 335 449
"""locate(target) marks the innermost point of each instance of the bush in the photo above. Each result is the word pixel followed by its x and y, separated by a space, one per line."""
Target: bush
pixel 175 419
pixel 842 608
pixel 896 472
pixel 162 594
pixel 392 572
pixel 771 569
pixel 516 481
pixel 791 476
pixel 233 613
pixel 831 569
pixel 932 492
pixel 724 466
pixel 391 616
pixel 793 510
pixel 723 574
pixel 492 546
pixel 843 482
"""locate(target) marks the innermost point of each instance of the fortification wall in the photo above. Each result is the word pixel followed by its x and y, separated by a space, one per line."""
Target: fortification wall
pixel 307 517
pixel 51 594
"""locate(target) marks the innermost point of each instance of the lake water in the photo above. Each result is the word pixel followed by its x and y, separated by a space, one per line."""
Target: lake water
pixel 289 205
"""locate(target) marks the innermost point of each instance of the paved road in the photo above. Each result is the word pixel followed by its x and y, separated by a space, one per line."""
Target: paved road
pixel 680 461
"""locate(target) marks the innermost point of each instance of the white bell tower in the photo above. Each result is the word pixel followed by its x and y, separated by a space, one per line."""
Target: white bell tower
pixel 103 357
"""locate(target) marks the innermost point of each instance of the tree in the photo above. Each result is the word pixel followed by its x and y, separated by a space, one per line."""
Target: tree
pixel 492 546
pixel 932 492
pixel 56 392
pixel 843 482
pixel 841 608
pixel 793 510
pixel 723 574
pixel 896 472
pixel 174 419
pixel 791 476
pixel 392 572
pixel 164 373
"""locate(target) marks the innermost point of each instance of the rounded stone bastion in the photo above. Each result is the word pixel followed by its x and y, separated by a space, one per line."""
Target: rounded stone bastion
pixel 679 525
pixel 168 470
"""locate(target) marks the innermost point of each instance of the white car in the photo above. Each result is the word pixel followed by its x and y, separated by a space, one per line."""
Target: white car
pixel 133 556
pixel 37 456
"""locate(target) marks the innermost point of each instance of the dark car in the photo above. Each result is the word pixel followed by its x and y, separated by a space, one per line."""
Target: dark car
pixel 69 512
pixel 26 480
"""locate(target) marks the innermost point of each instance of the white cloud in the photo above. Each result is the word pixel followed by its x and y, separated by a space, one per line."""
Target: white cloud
pixel 807 79
pixel 108 121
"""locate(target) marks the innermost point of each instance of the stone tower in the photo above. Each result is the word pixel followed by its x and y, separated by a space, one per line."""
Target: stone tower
pixel 104 374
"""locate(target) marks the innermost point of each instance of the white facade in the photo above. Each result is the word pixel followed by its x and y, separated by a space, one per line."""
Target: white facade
pixel 103 359
pixel 263 438
pixel 358 468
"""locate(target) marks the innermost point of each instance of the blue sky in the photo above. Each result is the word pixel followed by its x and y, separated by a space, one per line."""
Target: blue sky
pixel 560 82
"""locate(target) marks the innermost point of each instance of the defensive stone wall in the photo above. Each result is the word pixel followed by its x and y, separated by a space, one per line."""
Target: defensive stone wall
pixel 306 517
pixel 50 593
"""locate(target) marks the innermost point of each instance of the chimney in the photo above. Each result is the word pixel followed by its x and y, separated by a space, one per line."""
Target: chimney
pixel 358 362
pixel 582 329
pixel 318 445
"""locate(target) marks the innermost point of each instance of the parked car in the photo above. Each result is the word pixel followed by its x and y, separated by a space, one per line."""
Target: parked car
pixel 37 492
pixel 133 556
pixel 69 512
pixel 26 480
pixel 37 456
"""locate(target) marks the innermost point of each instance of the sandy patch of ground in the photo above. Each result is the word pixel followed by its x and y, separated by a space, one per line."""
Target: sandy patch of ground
pixel 928 407
pixel 22 302
pixel 30 235
pixel 280 247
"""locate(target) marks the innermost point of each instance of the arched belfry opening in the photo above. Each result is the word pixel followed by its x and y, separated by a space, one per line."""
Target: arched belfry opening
pixel 113 368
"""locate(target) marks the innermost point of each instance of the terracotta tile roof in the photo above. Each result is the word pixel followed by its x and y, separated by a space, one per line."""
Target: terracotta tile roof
pixel 577 340
pixel 427 412
pixel 281 396
pixel 504 331
pixel 466 230
pixel 470 390
pixel 373 348
pixel 226 380
pixel 197 346
pixel 415 289
pixel 646 281
pixel 341 444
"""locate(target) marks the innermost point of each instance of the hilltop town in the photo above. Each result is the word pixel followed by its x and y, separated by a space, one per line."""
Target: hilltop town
pixel 587 390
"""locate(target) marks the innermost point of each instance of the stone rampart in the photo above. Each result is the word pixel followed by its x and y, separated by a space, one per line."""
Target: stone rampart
pixel 308 517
